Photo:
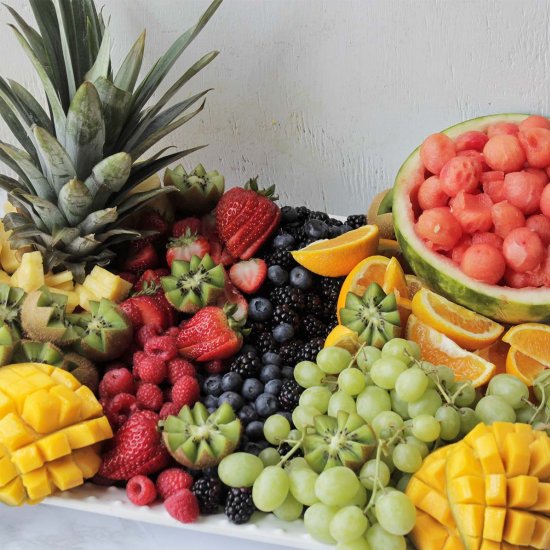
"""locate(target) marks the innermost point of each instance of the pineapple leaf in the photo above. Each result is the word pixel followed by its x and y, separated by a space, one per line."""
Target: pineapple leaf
pixel 8 161
pixel 15 123
pixel 74 201
pixel 65 235
pixel 9 184
pixel 137 201
pixel 97 220
pixel 29 107
pixel 82 245
pixel 128 73
pixel 63 23
pixel 48 211
pixel 102 61
pixel 108 177
pixel 94 30
pixel 26 209
pixel 85 130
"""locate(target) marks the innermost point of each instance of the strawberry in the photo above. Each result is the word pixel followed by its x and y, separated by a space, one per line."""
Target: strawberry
pixel 212 333
pixel 137 449
pixel 249 275
pixel 150 312
pixel 246 217
pixel 128 276
pixel 145 258
pixel 150 276
pixel 219 253
pixel 153 221
pixel 180 227
pixel 187 246
pixel 233 296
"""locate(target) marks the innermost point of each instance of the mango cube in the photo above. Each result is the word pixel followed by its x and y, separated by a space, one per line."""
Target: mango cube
pixel 6 405
pixel 54 446
pixel 488 454
pixel 69 405
pixel 493 526
pixel 541 534
pixel 468 490
pixel 461 462
pixel 469 519
pixel 522 491
pixel 37 484
pixel 519 527
pixel 88 461
pixel 14 433
pixel 41 411
pixel 543 499
pixel 90 406
pixel 65 474
pixel 65 379
pixel 7 471
pixel 27 458
pixel 540 459
pixel 13 494
pixel 516 454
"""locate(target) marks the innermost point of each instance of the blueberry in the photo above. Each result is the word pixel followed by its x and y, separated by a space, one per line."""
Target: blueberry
pixel 287 415
pixel 211 401
pixel 213 385
pixel 248 414
pixel 277 275
pixel 266 404
pixel 283 333
pixel 255 430
pixel 234 399
pixel 249 348
pixel 271 358
pixel 288 372
pixel 260 309
pixel 334 231
pixel 301 278
pixel 316 229
pixel 252 387
pixel 270 372
pixel 232 381
pixel 255 448
pixel 211 410
pixel 289 215
pixel 273 387
pixel 345 228
pixel 284 241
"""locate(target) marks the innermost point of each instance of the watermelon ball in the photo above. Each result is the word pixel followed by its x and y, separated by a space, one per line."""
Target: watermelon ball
pixel 473 139
pixel 523 249
pixel 460 174
pixel 457 253
pixel 545 201
pixel 483 262
pixel 504 152
pixel 536 144
pixel 535 121
pixel 506 217
pixel 439 227
pixel 430 194
pixel 436 151
pixel 502 129
pixel 541 174
pixel 523 280
pixel 492 183
pixel 487 238
pixel 540 224
pixel 475 155
pixel 473 212
pixel 524 190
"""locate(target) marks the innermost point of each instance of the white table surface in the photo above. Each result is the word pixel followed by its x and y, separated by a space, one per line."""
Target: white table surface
pixel 50 528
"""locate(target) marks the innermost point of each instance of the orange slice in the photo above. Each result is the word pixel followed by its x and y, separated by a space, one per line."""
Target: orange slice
pixel 343 337
pixel 496 353
pixel 469 330
pixel 394 279
pixel 441 350
pixel 414 284
pixel 532 339
pixel 338 256
pixel 524 367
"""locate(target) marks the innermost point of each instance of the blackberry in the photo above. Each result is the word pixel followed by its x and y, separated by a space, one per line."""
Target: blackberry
pixel 284 448
pixel 257 327
pixel 323 216
pixel 239 506
pixel 289 395
pixel 290 352
pixel 309 350
pixel 297 231
pixel 285 314
pixel 290 296
pixel 356 221
pixel 248 365
pixel 303 213
pixel 313 303
pixel 265 342
pixel 312 326
pixel 280 257
pixel 329 311
pixel 330 287
pixel 209 493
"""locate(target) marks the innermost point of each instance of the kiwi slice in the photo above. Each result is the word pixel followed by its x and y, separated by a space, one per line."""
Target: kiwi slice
pixel 199 440
pixel 195 284
pixel 83 370
pixel 104 332
pixel 11 300
pixel 380 214
pixel 33 351
pixel 374 316
pixel 44 318
pixel 6 345
pixel 342 441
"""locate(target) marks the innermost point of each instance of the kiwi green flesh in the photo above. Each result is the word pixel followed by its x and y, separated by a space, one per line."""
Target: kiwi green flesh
pixel 38 352
pixel 11 300
pixel 6 354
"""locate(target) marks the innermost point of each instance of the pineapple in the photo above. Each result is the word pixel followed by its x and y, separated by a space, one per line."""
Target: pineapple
pixel 104 284
pixel 8 257
pixel 81 158
pixel 30 274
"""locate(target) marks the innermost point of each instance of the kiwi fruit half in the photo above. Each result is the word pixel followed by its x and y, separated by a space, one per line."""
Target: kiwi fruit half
pixel 34 351
pixel 11 300
pixel 83 370
pixel 6 345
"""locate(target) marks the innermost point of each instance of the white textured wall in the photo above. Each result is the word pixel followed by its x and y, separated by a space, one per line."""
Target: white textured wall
pixel 325 98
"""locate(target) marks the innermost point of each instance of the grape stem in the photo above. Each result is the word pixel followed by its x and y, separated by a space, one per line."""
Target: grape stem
pixel 377 483
pixel 288 456
pixel 542 403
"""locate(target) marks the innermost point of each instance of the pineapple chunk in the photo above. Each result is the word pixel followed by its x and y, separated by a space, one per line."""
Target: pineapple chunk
pixel 69 286
pixel 84 296
pixel 56 279
pixel 104 284
pixel 30 274
pixel 8 257
pixel 4 277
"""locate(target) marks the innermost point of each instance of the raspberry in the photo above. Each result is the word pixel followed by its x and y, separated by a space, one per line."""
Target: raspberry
pixel 167 393
pixel 185 391
pixel 149 396
pixel 149 368
pixel 115 365
pixel 183 506
pixel 178 368
pixel 117 381
pixel 172 332
pixel 214 367
pixel 145 333
pixel 141 490
pixel 120 408
pixel 171 481
pixel 168 409
pixel 162 346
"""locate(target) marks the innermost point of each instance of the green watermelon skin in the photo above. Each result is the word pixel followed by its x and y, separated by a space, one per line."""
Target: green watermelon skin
pixel 503 304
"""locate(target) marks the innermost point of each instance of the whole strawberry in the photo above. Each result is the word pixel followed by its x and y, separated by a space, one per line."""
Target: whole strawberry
pixel 137 449
pixel 212 333
pixel 246 217
pixel 186 246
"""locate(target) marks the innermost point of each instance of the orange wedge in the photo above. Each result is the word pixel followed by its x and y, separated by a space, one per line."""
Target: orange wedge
pixel 531 339
pixel 441 350
pixel 338 256
pixel 391 249
pixel 469 330
pixel 524 367
pixel 496 353
pixel 343 337
pixel 394 279
pixel 414 284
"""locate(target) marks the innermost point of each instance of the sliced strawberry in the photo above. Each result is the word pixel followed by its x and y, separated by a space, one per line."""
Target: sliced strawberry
pixel 152 312
pixel 208 226
pixel 187 246
pixel 143 259
pixel 181 226
pixel 219 253
pixel 233 296
pixel 249 275
pixel 151 277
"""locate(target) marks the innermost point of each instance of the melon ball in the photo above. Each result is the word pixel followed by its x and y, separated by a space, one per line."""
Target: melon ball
pixel 439 227
pixel 483 262
pixel 473 212
pixel 492 183
pixel 502 129
pixel 431 195
pixel 540 224
pixel 522 280
pixel 523 249
pixel 457 253
pixel 460 174
pixel 524 190
pixel 504 152
pixel 545 201
pixel 535 121
pixel 506 217
pixel 474 139
pixel 436 151
pixel 536 144
pixel 487 238
pixel 540 173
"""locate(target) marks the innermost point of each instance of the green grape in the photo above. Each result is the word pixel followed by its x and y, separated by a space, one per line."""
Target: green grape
pixel 308 374
pixel 450 422
pixel 303 416
pixel 336 486
pixel 468 420
pixel 399 406
pixel 341 401
pixel 422 447
pixel 270 489
pixel 466 393
pixel 302 485
pixel 407 458
pixel 317 521
pixel 240 469
pixel 379 539
pixel 426 428
pixel 430 370
pixel 351 381
pixel 407 427
pixel 526 413
pixel 367 475
pixel 348 524
pixel 269 456
pixel 360 498
pixel 385 371
pixel 387 459
pixel 411 384
pixel 542 382
pixel 510 389
pixel 492 408
pixel 294 435
pixel 404 350
pixel 401 485
pixel 445 375
pixel 427 404
pixel 395 513
pixel 290 509
pixel 367 356
pixel 386 423
pixel 316 397
pixel 298 463
pixel 333 360
pixel 276 429
pixel 371 401
pixel 368 380
pixel 359 544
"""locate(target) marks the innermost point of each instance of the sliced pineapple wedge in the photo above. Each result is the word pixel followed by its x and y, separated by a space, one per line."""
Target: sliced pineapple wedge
pixel 30 274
